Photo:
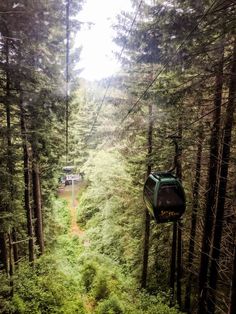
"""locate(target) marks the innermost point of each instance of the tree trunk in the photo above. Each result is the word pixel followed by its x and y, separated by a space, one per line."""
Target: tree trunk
pixel 176 250
pixel 10 164
pixel 179 265
pixel 232 308
pixel 37 207
pixel 225 158
pixel 4 253
pixel 145 250
pixel 211 187
pixel 4 250
pixel 233 286
pixel 15 246
pixel 194 221
pixel 173 264
pixel 27 183
pixel 179 224
pixel 11 263
pixel 147 216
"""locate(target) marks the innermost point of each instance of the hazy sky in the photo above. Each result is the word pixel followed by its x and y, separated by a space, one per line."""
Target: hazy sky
pixel 97 58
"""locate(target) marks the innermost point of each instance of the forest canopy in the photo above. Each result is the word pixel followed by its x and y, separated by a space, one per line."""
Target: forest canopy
pixel 75 233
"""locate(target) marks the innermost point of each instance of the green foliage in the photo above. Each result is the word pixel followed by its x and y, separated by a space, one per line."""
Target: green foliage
pixel 52 285
pixel 88 273
pixel 109 205
pixel 103 277
pixel 4 292
pixel 58 220
pixel 110 306
pixel 44 289
pixel 100 289
pixel 113 292
pixel 73 306
pixel 71 278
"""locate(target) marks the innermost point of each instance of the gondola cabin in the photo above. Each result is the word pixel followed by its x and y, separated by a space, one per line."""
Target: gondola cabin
pixel 66 172
pixel 68 169
pixel 164 197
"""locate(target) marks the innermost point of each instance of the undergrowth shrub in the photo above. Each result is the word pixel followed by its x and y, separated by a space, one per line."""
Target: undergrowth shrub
pixel 44 289
pixel 71 278
pixel 110 306
pixel 100 289
pixel 58 221
pixel 88 273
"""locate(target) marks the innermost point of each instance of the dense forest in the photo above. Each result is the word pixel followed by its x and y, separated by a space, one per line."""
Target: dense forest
pixel 171 107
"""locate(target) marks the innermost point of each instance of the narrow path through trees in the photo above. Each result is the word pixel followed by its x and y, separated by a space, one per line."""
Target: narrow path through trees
pixel 65 193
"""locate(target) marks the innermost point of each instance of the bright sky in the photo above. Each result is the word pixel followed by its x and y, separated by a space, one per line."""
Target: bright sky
pixel 97 57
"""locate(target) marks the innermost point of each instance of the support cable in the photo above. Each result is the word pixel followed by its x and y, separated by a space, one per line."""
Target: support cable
pixel 67 75
pixel 109 82
pixel 167 62
pixel 131 110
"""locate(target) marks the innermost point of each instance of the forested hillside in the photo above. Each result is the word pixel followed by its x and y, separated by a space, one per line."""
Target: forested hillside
pixel 90 245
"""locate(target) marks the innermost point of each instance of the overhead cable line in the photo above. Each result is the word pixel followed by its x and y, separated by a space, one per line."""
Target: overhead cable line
pixel 198 119
pixel 109 82
pixel 208 11
pixel 166 63
pixel 67 75
pixel 164 67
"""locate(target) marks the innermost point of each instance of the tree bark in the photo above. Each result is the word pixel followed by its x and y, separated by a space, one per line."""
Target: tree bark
pixel 211 187
pixel 233 286
pixel 147 216
pixel 173 264
pixel 15 246
pixel 145 250
pixel 179 224
pixel 179 264
pixel 37 207
pixel 224 167
pixel 4 252
pixel 176 250
pixel 10 164
pixel 193 221
pixel 27 183
pixel 11 263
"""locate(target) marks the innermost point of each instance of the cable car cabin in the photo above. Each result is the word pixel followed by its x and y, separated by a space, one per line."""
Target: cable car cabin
pixel 68 169
pixel 66 178
pixel 164 197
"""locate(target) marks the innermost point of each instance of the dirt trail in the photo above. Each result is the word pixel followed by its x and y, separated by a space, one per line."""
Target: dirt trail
pixel 65 193
pixel 75 229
